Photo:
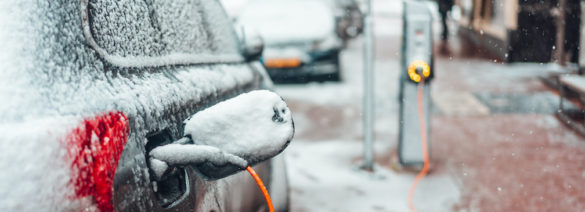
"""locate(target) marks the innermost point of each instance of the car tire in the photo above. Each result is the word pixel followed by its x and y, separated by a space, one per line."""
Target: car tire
pixel 335 77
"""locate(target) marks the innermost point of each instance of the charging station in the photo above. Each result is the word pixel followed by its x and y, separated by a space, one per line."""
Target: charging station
pixel 417 59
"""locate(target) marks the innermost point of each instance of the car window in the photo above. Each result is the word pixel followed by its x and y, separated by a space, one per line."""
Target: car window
pixel 137 33
pixel 286 21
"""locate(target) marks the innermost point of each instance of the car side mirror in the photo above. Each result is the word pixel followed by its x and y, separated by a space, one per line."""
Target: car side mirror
pixel 229 136
pixel 251 43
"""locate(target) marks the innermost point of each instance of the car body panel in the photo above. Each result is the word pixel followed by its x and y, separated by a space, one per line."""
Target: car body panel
pixel 53 78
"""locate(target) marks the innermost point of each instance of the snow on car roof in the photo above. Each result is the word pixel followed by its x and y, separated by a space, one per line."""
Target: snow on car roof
pixel 289 20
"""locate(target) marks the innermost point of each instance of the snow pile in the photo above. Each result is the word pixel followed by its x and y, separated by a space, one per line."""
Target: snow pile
pixel 178 154
pixel 255 126
pixel 31 178
pixel 322 173
pixel 284 21
pixel 241 131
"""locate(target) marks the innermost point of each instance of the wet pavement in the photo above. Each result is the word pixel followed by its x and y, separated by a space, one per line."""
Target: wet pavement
pixel 516 156
pixel 496 144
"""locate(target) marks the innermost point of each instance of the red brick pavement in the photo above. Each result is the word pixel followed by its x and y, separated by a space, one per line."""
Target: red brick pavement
pixel 506 162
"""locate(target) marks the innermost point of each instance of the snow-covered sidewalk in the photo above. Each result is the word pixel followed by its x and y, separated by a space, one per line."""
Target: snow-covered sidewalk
pixel 325 176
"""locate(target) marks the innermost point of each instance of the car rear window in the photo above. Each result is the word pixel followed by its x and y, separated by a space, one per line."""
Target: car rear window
pixel 160 32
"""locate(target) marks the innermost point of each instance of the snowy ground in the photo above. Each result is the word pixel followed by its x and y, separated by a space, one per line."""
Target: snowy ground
pixel 324 157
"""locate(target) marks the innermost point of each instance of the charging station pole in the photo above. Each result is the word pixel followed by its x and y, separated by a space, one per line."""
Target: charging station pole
pixel 368 99
pixel 417 55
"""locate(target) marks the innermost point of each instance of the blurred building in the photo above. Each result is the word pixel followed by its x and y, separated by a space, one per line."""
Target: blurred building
pixel 523 30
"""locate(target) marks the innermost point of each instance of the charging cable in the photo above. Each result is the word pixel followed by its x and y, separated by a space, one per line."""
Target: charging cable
pixel 423 136
pixel 262 187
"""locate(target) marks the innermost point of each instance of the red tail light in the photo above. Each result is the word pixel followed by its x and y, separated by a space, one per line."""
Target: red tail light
pixel 95 148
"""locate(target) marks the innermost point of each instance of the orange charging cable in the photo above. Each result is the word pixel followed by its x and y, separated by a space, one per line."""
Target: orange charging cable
pixel 262 187
pixel 423 136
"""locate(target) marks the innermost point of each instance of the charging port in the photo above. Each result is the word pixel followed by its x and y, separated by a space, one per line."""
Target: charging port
pixel 173 187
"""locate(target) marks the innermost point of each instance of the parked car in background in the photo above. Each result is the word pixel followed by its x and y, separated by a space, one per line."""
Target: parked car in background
pixel 300 38
pixel 89 88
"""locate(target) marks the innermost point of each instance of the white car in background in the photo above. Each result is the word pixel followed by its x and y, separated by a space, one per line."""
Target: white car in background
pixel 300 38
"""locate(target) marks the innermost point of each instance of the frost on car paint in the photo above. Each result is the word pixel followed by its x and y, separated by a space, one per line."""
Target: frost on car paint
pixel 160 33
pixel 51 79
pixel 33 177
pixel 48 69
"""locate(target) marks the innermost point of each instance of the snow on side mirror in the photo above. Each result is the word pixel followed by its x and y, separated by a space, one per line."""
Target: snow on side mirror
pixel 229 136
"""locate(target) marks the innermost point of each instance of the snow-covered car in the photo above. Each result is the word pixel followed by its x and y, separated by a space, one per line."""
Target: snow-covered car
pixel 299 35
pixel 134 106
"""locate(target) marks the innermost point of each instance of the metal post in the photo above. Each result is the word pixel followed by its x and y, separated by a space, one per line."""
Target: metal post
pixel 368 104
pixel 581 58
pixel 559 53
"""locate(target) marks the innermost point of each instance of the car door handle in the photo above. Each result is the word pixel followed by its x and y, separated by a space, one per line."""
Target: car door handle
pixel 229 136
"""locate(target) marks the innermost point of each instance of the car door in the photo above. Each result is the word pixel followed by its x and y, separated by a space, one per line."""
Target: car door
pixel 191 48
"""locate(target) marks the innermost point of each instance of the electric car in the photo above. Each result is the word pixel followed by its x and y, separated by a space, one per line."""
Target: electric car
pixel 300 38
pixel 88 88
